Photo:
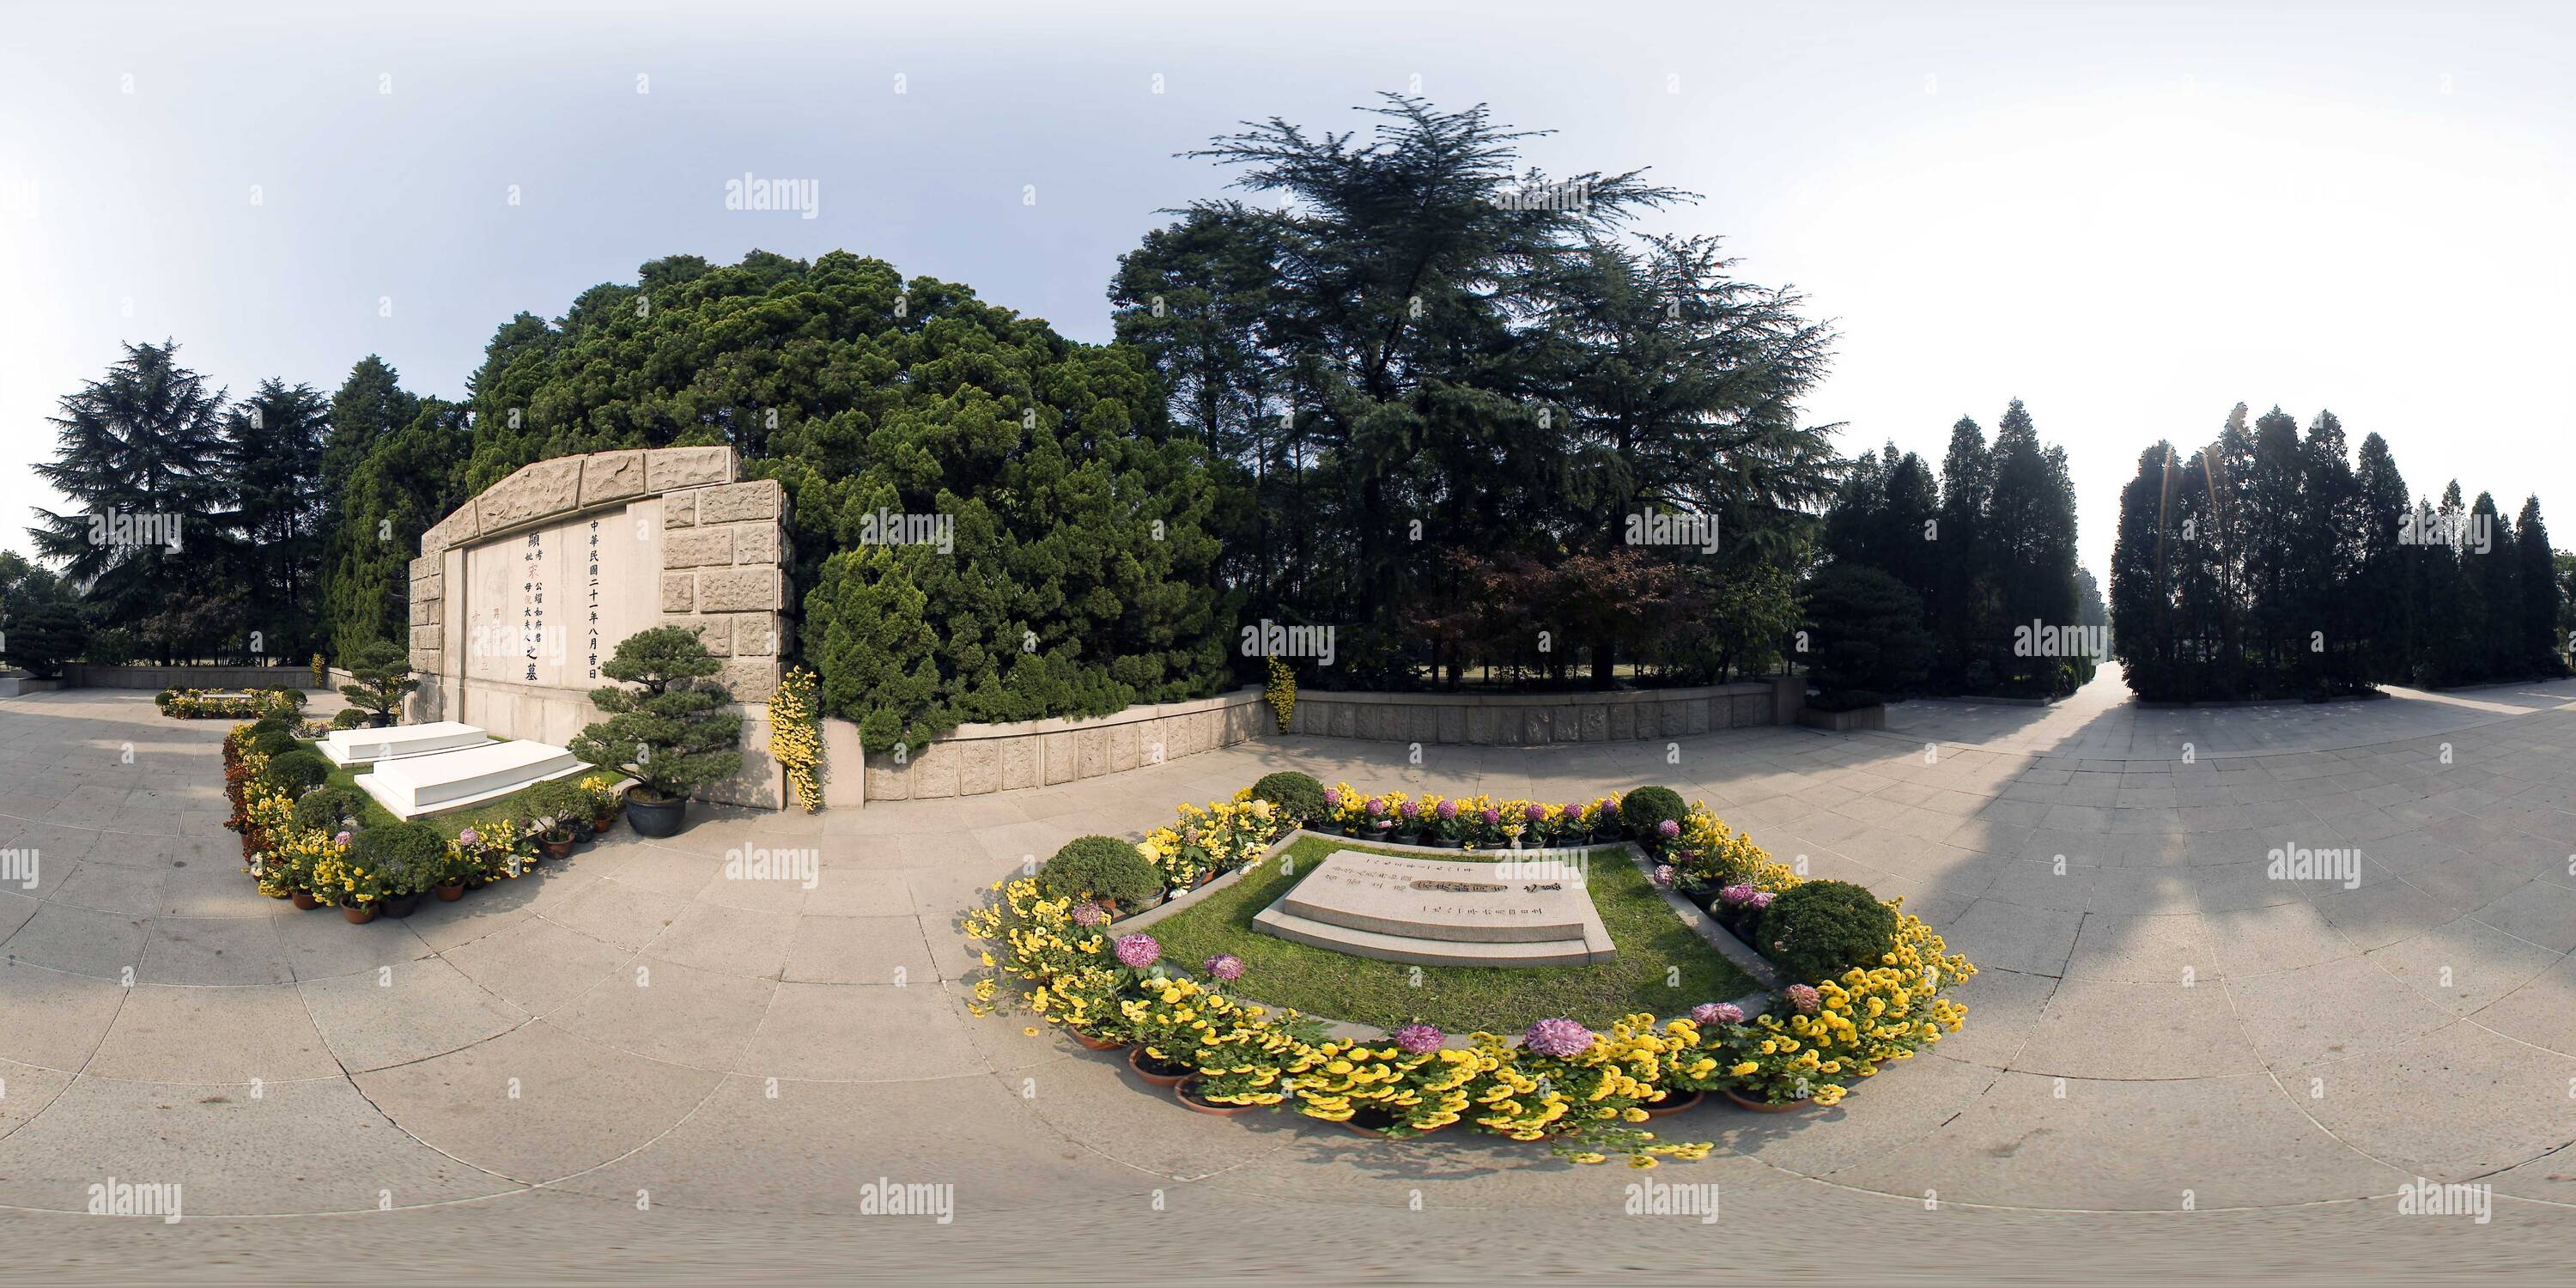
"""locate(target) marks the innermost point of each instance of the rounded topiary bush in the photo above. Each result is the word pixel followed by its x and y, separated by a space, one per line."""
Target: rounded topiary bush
pixel 560 799
pixel 272 742
pixel 348 718
pixel 296 772
pixel 1820 929
pixel 1103 867
pixel 406 858
pixel 1643 812
pixel 1297 795
pixel 323 808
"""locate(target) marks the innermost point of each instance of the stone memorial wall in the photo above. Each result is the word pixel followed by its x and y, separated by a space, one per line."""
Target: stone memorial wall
pixel 519 596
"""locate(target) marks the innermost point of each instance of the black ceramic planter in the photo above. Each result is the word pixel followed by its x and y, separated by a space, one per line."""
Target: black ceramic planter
pixel 652 817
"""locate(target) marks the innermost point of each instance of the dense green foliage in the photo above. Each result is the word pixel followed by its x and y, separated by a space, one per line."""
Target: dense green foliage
pixel 1989 553
pixel 41 637
pixel 1297 795
pixel 1101 867
pixel 406 858
pixel 297 772
pixel 2267 564
pixel 1819 929
pixel 1073 574
pixel 406 479
pixel 242 531
pixel 558 800
pixel 325 808
pixel 1441 388
pixel 672 735
pixel 1865 634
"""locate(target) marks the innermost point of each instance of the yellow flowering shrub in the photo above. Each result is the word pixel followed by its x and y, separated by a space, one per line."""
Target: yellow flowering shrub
pixel 1408 1092
pixel 1242 1054
pixel 1281 694
pixel 1067 975
pixel 1217 837
pixel 796 736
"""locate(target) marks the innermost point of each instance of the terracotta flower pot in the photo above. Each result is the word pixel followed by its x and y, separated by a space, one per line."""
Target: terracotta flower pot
pixel 1090 1043
pixel 1136 1060
pixel 1766 1107
pixel 1181 1092
pixel 304 900
pixel 450 893
pixel 1672 1104
pixel 602 823
pixel 359 914
pixel 555 849
pixel 402 906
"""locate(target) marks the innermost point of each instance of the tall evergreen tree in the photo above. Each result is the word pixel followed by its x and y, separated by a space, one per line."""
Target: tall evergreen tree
pixel 2539 647
pixel 1960 614
pixel 2028 543
pixel 2384 580
pixel 144 442
pixel 272 450
pixel 409 480
pixel 2489 557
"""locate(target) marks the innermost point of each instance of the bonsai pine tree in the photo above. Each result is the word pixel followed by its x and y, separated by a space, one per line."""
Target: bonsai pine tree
pixel 673 735
pixel 382 670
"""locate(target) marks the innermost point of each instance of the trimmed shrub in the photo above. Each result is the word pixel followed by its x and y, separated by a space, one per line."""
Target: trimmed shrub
pixel 274 742
pixel 1103 867
pixel 348 718
pixel 272 722
pixel 405 858
pixel 1297 795
pixel 297 772
pixel 322 808
pixel 1819 929
pixel 560 799
pixel 1643 811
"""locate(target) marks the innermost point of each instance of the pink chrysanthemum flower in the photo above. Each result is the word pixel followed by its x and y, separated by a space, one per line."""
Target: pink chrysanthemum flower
pixel 1561 1038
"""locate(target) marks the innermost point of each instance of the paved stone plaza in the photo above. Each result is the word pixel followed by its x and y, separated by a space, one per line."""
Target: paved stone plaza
pixel 2158 1023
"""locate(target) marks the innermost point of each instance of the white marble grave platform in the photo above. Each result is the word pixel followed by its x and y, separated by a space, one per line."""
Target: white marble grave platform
pixel 445 780
pixel 367 746
pixel 1444 912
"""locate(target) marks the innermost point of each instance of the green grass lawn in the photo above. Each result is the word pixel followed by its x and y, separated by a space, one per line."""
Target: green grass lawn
pixel 1663 966
pixel 476 815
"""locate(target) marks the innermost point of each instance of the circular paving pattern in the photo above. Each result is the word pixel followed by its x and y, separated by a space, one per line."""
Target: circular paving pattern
pixel 2162 1023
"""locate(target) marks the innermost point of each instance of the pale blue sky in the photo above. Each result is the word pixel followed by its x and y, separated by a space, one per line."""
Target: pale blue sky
pixel 2132 216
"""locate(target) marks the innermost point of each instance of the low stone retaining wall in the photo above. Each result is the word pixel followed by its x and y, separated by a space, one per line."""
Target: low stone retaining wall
pixel 83 675
pixel 980 758
pixel 1523 719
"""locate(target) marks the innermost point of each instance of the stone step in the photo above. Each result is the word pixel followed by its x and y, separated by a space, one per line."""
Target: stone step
pixel 367 746
pixel 445 780
pixel 1275 920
